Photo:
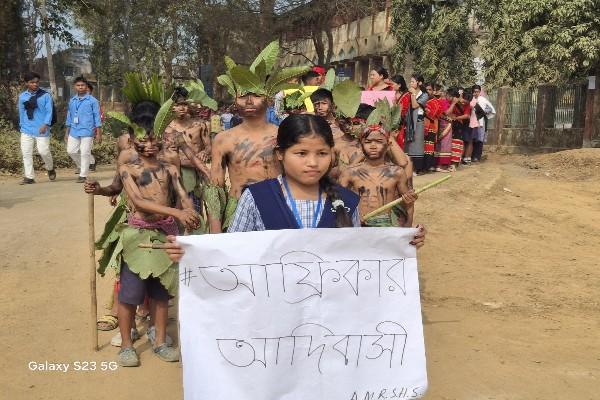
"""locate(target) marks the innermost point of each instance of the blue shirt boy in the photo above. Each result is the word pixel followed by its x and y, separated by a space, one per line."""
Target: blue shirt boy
pixel 42 114
pixel 83 116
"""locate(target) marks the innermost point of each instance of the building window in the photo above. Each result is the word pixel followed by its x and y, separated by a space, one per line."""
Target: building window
pixel 365 42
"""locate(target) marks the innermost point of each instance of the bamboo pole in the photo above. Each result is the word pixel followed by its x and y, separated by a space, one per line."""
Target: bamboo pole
pixel 394 203
pixel 92 250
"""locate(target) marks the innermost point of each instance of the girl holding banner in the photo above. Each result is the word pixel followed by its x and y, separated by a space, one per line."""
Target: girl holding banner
pixel 303 196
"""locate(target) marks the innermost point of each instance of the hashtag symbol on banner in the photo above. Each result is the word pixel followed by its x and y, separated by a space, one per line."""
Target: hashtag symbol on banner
pixel 186 276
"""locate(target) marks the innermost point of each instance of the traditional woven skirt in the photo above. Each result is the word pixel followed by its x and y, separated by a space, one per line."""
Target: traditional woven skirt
pixel 443 147
pixel 429 149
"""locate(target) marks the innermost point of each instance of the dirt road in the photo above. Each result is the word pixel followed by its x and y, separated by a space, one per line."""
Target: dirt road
pixel 510 286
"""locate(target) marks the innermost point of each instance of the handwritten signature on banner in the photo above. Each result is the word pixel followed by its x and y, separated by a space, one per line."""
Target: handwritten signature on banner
pixel 387 344
pixel 301 275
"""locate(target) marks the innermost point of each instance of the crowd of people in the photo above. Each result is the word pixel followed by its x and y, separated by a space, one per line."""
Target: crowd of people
pixel 262 163
pixel 442 127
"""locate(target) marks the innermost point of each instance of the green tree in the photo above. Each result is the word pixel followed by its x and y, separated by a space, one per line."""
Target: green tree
pixel 539 41
pixel 437 36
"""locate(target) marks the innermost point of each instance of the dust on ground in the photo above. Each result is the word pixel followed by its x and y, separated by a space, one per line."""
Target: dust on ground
pixel 510 281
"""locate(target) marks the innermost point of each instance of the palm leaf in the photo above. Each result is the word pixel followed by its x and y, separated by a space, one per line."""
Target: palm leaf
pixel 269 55
pixel 134 88
pixel 156 89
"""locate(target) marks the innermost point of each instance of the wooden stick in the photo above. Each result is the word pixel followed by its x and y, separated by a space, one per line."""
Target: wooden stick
pixel 152 246
pixel 394 203
pixel 92 249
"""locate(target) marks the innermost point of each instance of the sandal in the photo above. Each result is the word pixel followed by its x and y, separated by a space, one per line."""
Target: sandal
pixel 107 323
pixel 166 353
pixel 128 357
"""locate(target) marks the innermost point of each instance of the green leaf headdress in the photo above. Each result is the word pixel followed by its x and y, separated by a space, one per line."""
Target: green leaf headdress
pixel 385 115
pixel 138 89
pixel 261 78
pixel 195 94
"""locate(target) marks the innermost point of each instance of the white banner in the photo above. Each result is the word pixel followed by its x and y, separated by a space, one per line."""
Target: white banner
pixel 324 314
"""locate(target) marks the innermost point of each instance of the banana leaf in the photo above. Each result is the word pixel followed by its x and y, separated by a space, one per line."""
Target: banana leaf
pixel 246 81
pixel 225 80
pixel 194 84
pixel 269 55
pixel 229 63
pixel 110 234
pixel 199 96
pixel 261 71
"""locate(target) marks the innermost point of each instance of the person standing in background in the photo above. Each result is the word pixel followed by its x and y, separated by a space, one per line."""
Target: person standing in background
pixel 35 117
pixel 83 124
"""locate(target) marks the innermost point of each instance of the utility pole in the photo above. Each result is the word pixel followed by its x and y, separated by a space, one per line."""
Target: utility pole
pixel 45 25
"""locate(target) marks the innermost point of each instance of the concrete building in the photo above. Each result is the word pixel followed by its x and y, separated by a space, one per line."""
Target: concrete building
pixel 358 47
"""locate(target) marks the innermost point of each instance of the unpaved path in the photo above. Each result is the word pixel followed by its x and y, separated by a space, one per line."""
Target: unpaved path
pixel 510 286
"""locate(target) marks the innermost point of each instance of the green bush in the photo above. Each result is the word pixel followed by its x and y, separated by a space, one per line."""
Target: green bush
pixel 11 160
